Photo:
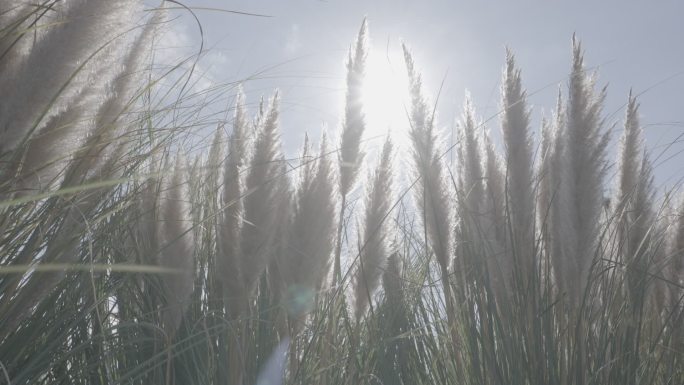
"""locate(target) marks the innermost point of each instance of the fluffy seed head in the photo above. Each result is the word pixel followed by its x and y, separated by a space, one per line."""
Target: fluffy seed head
pixel 40 92
pixel 259 200
pixel 518 164
pixel 376 230
pixel 351 154
pixel 580 195
pixel 230 224
pixel 176 242
pixel 470 173
pixel 312 234
pixel 431 193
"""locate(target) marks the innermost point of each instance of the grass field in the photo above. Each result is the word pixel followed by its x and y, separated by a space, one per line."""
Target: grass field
pixel 133 253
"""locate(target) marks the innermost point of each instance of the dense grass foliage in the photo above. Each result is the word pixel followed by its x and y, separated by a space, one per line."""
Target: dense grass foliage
pixel 130 255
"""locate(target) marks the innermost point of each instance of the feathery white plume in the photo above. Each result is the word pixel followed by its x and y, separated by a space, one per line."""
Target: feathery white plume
pixel 229 257
pixel 259 200
pixel 64 110
pixel 177 246
pixel 543 174
pixel 376 230
pixel 60 65
pixel 431 193
pixel 215 158
pixel 635 194
pixel 282 222
pixel 470 171
pixel 106 141
pixel 631 144
pixel 312 234
pixel 351 154
pixel 550 205
pixel 518 162
pixel 580 196
pixel 23 24
pixel 494 223
pixel 482 188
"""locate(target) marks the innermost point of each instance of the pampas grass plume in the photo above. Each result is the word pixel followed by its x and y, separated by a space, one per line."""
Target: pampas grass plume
pixel 177 246
pixel 580 195
pixel 259 200
pixel 431 193
pixel 40 92
pixel 634 203
pixel 351 154
pixel 376 231
pixel 229 247
pixel 470 172
pixel 107 141
pixel 494 222
pixel 312 232
pixel 518 162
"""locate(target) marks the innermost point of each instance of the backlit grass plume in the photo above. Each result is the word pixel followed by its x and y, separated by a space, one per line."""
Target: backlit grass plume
pixel 15 19
pixel 176 242
pixel 312 234
pixel 374 238
pixel 636 225
pixel 631 145
pixel 549 203
pixel 351 154
pixel 260 200
pixel 107 141
pixel 580 194
pixel 228 260
pixel 518 162
pixel 470 170
pixel 283 213
pixel 481 192
pixel 58 73
pixel 353 126
pixel 495 229
pixel 431 193
pixel 75 109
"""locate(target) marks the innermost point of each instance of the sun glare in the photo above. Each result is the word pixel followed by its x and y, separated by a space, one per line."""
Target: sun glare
pixel 384 94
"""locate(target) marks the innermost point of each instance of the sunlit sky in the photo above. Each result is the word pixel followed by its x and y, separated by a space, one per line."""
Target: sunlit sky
pixel 301 46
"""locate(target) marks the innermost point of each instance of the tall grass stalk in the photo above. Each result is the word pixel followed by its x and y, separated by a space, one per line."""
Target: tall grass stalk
pixel 259 201
pixel 515 126
pixel 583 169
pixel 353 126
pixel 228 261
pixel 373 241
pixel 431 194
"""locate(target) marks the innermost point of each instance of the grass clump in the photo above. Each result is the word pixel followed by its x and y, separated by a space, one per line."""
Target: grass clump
pixel 128 256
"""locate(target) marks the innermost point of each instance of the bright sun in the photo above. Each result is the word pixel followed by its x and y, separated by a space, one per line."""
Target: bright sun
pixel 384 94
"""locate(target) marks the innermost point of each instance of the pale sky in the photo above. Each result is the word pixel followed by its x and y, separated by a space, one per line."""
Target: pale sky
pixel 301 49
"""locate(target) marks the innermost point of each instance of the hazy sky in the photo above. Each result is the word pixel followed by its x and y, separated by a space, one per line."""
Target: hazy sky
pixel 301 49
